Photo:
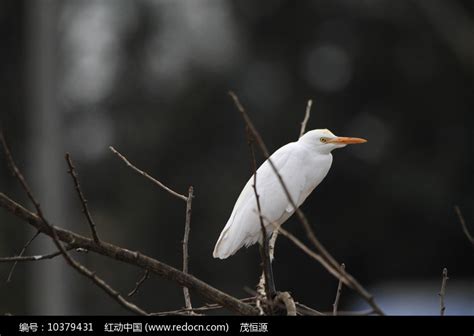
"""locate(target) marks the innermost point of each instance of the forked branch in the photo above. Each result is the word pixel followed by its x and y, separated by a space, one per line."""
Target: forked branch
pixel 85 209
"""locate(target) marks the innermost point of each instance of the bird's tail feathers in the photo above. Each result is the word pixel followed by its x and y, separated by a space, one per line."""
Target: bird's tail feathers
pixel 231 240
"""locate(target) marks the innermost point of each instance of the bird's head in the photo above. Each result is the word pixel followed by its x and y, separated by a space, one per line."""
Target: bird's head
pixel 325 141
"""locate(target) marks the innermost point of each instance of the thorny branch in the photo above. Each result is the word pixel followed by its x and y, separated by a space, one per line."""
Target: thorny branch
pixel 353 283
pixel 85 209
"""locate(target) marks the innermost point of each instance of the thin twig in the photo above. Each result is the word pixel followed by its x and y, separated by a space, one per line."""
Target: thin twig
pixel 306 117
pixel 85 209
pixel 463 224
pixel 30 258
pixel 338 293
pixel 146 175
pixel 17 259
pixel 442 292
pixel 207 307
pixel 145 276
pixel 187 229
pixel 12 269
pixel 18 175
pixel 309 232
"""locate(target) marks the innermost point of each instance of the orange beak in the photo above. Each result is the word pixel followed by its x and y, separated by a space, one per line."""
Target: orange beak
pixel 347 140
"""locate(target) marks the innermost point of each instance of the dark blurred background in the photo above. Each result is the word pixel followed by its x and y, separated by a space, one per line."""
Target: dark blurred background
pixel 151 78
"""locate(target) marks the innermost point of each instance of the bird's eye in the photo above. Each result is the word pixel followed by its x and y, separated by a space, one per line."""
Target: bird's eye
pixel 323 140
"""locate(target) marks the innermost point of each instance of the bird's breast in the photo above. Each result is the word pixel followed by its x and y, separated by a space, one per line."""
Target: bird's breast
pixel 316 169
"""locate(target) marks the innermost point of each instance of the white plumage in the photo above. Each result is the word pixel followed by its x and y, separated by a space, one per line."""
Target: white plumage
pixel 303 165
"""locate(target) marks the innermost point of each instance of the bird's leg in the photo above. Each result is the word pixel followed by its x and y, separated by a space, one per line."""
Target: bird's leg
pixel 267 269
pixel 271 280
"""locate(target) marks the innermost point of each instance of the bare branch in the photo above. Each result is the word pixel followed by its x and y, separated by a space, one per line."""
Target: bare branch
pixel 163 270
pixel 264 247
pixel 10 274
pixel 288 301
pixel 207 307
pixel 335 272
pixel 306 117
pixel 365 312
pixel 338 293
pixel 302 131
pixel 145 276
pixel 98 281
pixel 83 200
pixel 305 310
pixel 18 175
pixel 309 232
pixel 29 258
pixel 146 175
pixel 442 292
pixel 187 229
pixel 260 293
pixel 463 224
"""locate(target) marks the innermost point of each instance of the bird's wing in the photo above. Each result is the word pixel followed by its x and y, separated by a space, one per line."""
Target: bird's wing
pixel 273 197
pixel 243 226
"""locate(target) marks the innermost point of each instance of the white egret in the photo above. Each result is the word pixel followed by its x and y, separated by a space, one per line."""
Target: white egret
pixel 303 164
